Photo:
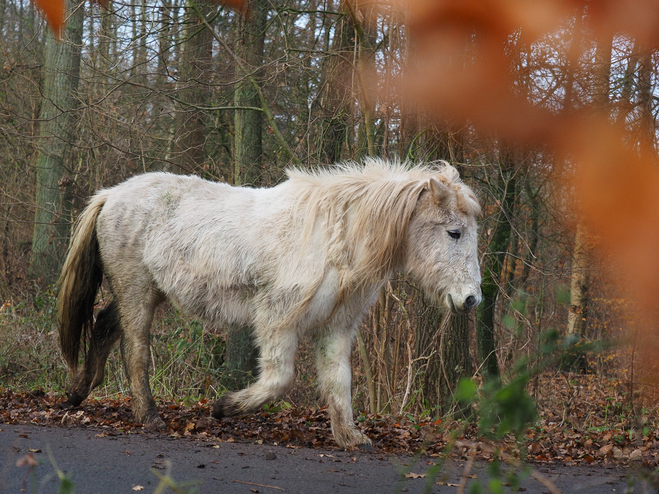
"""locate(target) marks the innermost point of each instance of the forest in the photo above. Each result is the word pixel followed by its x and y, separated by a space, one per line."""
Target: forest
pixel 548 112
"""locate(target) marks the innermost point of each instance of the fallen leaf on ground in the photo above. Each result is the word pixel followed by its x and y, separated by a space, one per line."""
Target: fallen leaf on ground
pixel 413 475
pixel 593 435
pixel 28 460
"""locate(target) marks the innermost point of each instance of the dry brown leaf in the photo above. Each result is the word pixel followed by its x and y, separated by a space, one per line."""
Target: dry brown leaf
pixel 28 460
pixel 413 475
pixel 535 448
pixel 637 454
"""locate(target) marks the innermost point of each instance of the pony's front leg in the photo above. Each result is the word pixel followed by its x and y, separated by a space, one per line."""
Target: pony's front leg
pixel 277 371
pixel 334 377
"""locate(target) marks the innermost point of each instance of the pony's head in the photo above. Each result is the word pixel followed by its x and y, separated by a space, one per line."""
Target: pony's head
pixel 385 216
pixel 442 241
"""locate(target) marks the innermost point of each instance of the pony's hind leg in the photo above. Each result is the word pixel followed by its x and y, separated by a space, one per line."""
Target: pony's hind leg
pixel 277 372
pixel 105 333
pixel 136 316
pixel 334 379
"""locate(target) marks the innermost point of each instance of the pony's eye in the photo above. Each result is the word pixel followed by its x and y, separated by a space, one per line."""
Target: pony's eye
pixel 454 234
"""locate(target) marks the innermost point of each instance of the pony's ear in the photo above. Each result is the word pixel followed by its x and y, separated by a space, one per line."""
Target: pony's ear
pixel 440 192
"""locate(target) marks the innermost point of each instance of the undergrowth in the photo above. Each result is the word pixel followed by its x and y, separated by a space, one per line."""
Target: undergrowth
pixel 567 419
pixel 29 353
pixel 186 360
pixel 187 365
pixel 186 356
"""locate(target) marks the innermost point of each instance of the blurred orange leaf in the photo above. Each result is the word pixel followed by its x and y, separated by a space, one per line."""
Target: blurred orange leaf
pixel 616 184
pixel 241 6
pixel 460 71
pixel 53 11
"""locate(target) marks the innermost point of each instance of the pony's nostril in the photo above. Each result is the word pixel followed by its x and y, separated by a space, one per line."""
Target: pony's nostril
pixel 470 301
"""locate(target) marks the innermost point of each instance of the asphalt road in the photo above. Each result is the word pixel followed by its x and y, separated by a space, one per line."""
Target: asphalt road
pixel 100 463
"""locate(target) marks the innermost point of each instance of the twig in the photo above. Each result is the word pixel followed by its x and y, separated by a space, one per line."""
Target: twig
pixel 410 360
pixel 465 473
pixel 369 371
pixel 446 320
pixel 546 482
pixel 410 363
pixel 259 485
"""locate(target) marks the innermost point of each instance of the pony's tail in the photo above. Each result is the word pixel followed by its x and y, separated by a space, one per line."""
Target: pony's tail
pixel 81 278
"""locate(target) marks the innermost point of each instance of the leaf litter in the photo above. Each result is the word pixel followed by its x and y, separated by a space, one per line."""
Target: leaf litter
pixel 583 419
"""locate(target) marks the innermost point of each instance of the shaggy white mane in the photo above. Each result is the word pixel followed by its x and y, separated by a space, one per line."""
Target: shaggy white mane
pixel 366 209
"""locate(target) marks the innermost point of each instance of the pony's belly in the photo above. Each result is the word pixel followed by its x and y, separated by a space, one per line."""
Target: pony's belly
pixel 233 309
pixel 220 306
pixel 322 305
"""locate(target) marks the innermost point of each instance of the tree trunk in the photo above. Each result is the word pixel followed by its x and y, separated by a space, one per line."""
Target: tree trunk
pixel 336 98
pixel 363 19
pixel 624 103
pixel 240 358
pixel 164 43
pixel 140 63
pixel 57 133
pixel 580 282
pixel 104 37
pixel 647 124
pixel 240 362
pixel 248 124
pixel 498 247
pixel 194 68
pixel 3 7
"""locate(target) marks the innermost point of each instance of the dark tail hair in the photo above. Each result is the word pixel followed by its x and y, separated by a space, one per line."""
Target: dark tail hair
pixel 81 278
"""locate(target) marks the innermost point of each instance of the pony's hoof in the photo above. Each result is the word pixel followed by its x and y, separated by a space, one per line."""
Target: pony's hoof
pixel 225 407
pixel 352 439
pixel 366 447
pixel 74 399
pixel 156 425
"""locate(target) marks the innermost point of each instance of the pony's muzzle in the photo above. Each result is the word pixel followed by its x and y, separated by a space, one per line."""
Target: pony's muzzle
pixel 468 303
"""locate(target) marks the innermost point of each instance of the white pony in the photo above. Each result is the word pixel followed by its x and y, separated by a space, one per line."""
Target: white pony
pixel 304 257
